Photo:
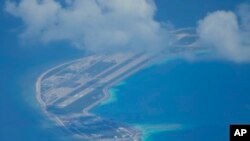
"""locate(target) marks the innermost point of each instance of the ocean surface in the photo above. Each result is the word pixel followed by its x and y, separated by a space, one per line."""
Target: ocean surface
pixel 176 101
pixel 181 100
pixel 21 118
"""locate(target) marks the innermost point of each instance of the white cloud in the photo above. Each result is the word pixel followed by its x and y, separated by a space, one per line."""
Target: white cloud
pixel 227 33
pixel 121 25
pixel 94 25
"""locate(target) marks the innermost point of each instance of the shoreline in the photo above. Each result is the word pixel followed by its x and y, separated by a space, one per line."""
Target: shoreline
pixel 112 96
pixel 55 99
pixel 67 95
pixel 106 94
pixel 109 86
pixel 86 111
pixel 149 130
pixel 41 103
pixel 146 130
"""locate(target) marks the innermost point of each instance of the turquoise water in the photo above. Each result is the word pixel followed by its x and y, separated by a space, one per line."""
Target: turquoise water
pixel 181 100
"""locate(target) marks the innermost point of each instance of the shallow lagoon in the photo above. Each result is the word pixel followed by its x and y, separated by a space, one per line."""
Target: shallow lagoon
pixel 182 100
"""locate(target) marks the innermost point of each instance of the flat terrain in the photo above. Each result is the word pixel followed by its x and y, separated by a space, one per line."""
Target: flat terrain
pixel 68 92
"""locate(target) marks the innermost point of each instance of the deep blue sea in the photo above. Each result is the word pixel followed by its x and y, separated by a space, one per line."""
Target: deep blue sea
pixel 20 65
pixel 21 118
pixel 202 98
